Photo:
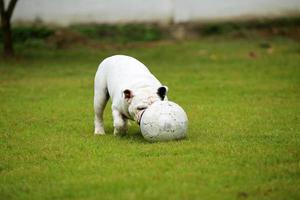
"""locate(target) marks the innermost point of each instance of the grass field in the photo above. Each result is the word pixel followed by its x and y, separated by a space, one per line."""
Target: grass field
pixel 242 97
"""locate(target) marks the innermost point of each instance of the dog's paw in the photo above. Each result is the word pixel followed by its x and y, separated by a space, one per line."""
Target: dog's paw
pixel 120 132
pixel 99 132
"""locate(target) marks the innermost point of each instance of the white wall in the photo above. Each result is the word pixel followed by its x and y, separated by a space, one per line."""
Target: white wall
pixel 64 12
pixel 186 10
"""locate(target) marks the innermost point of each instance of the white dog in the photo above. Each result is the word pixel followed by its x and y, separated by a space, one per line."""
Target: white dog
pixel 131 87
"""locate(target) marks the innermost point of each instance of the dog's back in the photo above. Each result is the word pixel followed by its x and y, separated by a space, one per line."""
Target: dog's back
pixel 121 72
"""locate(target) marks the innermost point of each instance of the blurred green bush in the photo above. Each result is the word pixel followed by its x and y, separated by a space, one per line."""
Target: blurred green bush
pixel 25 33
pixel 103 32
pixel 39 35
pixel 255 24
pixel 120 33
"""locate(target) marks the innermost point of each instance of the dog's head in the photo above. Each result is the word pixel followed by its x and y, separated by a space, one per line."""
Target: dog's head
pixel 138 101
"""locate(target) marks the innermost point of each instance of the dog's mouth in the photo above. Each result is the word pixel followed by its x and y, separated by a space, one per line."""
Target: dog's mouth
pixel 140 115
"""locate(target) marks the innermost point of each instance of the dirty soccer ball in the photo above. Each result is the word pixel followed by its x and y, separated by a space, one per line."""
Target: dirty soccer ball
pixel 163 121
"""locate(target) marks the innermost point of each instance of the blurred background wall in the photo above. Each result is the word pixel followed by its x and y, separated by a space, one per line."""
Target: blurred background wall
pixel 65 12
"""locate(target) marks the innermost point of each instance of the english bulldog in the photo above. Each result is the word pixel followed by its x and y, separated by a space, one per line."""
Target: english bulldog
pixel 131 87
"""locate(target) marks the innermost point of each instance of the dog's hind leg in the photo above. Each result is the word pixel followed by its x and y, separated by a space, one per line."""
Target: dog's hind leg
pixel 100 99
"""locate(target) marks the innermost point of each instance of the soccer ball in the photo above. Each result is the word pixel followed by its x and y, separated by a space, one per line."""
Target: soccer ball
pixel 163 121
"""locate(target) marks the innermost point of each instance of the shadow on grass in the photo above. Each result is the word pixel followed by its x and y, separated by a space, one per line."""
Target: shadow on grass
pixel 135 136
pixel 132 136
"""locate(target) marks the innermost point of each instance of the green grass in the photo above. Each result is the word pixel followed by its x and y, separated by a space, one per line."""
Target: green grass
pixel 244 124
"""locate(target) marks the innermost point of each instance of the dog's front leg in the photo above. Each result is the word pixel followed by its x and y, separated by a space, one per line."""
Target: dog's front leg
pixel 120 123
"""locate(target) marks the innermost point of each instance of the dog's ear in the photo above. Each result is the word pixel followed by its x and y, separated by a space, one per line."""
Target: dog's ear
pixel 127 94
pixel 162 92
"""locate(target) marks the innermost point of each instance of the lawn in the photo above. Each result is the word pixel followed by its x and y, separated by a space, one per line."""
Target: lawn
pixel 242 97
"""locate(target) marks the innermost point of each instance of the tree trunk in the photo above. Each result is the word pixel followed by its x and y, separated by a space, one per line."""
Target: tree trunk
pixel 6 14
pixel 7 38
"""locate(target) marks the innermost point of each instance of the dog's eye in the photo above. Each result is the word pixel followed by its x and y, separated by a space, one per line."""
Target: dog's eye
pixel 141 108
